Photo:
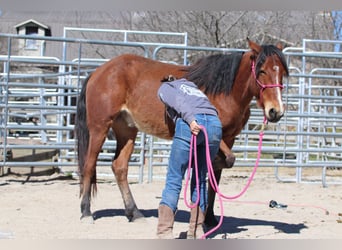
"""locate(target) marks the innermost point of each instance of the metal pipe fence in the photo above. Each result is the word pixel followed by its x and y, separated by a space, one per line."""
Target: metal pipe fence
pixel 310 134
pixel 37 110
pixel 37 106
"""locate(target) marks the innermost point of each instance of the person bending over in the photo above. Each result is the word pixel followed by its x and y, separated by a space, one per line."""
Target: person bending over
pixel 189 108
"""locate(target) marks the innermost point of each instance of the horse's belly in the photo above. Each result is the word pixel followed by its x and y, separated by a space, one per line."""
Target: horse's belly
pixel 146 123
pixel 158 130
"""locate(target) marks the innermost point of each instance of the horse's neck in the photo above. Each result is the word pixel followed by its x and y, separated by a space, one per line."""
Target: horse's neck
pixel 235 108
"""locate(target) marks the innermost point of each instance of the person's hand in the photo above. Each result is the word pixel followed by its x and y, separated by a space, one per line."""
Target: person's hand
pixel 194 127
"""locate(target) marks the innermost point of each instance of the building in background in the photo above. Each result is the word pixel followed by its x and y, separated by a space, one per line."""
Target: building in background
pixel 32 47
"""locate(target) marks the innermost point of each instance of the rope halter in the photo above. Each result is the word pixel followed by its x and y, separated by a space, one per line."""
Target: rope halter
pixel 265 86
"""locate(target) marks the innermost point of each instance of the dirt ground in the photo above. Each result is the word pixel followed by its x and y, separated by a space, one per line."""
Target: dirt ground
pixel 46 206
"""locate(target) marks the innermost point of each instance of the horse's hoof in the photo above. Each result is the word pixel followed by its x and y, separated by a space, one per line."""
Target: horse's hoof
pixel 210 220
pixel 140 220
pixel 136 216
pixel 87 219
pixel 230 160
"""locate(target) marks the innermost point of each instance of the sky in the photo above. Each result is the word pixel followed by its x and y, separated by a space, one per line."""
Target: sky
pixel 338 29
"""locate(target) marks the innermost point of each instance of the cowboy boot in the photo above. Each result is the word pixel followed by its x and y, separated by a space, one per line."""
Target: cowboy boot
pixel 166 219
pixel 196 223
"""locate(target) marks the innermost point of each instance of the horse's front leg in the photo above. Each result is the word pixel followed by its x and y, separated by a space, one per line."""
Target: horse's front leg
pixel 224 159
pixel 210 220
pixel 120 169
pixel 227 154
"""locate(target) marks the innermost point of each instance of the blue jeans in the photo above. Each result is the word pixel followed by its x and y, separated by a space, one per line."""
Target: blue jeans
pixel 179 160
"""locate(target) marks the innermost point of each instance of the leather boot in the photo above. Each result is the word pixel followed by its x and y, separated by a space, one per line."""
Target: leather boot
pixel 166 219
pixel 196 223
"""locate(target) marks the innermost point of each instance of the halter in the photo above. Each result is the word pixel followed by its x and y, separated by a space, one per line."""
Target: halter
pixel 261 85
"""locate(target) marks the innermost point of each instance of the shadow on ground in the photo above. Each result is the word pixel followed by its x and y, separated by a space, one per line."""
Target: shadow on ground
pixel 230 225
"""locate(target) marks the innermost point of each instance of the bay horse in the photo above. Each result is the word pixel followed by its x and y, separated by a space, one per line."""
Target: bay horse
pixel 121 95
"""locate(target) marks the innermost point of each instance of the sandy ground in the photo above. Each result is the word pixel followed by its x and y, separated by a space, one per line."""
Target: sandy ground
pixel 47 207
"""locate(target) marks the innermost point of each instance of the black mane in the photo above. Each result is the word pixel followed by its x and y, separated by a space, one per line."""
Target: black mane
pixel 215 73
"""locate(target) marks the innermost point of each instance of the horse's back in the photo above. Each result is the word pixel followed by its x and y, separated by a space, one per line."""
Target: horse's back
pixel 128 84
pixel 133 65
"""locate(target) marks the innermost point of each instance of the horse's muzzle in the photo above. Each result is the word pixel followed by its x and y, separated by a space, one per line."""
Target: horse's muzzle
pixel 273 115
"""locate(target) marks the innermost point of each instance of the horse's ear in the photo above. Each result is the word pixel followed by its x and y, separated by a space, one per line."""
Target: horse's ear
pixel 279 45
pixel 256 48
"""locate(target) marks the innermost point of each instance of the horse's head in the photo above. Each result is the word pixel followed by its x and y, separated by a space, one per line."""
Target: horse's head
pixel 268 66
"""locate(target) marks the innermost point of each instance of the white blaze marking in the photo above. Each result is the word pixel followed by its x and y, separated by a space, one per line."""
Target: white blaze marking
pixel 276 68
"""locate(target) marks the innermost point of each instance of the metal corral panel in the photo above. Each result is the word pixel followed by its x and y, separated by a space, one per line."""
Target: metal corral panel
pixel 37 113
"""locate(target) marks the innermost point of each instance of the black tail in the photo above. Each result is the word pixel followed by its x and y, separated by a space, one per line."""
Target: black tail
pixel 81 130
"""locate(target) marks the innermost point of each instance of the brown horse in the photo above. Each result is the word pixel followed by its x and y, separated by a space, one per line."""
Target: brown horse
pixel 122 95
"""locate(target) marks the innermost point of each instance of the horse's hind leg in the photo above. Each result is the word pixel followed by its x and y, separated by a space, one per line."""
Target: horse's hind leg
pixel 125 137
pixel 96 140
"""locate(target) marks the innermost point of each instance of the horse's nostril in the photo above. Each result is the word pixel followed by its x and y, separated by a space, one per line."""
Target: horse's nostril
pixel 272 113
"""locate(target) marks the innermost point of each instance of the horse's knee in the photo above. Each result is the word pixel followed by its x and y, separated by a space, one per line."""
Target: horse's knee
pixel 230 160
pixel 224 161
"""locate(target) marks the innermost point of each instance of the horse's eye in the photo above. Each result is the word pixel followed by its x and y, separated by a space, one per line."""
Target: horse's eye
pixel 262 72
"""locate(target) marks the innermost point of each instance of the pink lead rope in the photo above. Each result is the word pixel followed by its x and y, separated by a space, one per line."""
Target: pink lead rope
pixel 211 175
